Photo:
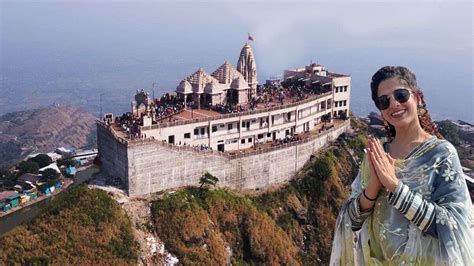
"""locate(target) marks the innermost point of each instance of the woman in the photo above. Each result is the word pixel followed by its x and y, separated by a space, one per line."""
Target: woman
pixel 409 203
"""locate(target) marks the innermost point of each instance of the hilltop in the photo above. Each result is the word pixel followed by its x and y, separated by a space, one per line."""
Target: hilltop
pixel 43 130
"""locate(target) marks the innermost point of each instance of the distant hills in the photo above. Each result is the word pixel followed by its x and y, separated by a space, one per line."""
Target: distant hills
pixel 43 130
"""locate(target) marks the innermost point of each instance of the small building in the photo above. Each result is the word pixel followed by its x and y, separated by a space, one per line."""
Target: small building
pixel 71 171
pixel 4 207
pixel 53 166
pixel 33 195
pixel 24 198
pixel 63 150
pixel 4 195
pixel 58 185
pixel 29 178
pixel 14 200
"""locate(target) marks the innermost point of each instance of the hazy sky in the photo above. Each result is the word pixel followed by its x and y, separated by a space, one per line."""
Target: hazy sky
pixel 58 51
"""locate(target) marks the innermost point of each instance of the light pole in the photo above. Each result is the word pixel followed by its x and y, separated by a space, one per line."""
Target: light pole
pixel 100 106
pixel 153 89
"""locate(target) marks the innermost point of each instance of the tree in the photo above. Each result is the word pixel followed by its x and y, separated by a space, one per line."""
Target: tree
pixel 28 167
pixel 42 160
pixel 49 174
pixel 208 180
pixel 67 160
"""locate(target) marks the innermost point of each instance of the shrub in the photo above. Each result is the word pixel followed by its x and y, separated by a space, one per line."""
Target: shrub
pixel 42 160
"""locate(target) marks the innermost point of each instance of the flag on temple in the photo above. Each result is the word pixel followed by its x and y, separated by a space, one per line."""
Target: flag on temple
pixel 250 38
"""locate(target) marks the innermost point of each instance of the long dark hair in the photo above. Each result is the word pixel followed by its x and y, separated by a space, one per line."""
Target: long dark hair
pixel 408 77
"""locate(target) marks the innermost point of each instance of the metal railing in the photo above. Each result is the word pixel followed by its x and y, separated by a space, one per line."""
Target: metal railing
pixel 225 116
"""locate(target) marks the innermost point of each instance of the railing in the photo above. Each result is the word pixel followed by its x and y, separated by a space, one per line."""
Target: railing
pixel 224 116
pixel 230 154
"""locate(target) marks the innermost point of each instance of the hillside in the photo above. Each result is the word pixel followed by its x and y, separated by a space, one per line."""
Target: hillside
pixel 290 226
pixel 43 130
pixel 82 226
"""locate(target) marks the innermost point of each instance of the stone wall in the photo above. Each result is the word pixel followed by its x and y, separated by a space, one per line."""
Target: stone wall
pixel 112 153
pixel 153 166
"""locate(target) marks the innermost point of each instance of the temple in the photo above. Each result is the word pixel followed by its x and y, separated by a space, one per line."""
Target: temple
pixel 226 85
pixel 226 113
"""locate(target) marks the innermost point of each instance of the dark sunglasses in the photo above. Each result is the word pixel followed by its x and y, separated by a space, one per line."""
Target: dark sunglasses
pixel 401 95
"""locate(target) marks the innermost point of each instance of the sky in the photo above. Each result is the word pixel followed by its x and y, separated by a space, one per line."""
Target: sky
pixel 78 52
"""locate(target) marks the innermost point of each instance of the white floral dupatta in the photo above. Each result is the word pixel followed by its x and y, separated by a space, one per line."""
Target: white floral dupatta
pixel 433 171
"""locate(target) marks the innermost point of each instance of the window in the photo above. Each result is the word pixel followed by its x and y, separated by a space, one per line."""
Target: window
pixel 229 126
pixel 250 140
pixel 203 131
pixel 242 141
pixel 243 124
pixel 196 131
pixel 337 89
pixel 345 102
pixel 214 128
pixel 269 135
pixel 260 136
pixel 288 116
pixel 345 88
pixel 188 135
pixel 273 120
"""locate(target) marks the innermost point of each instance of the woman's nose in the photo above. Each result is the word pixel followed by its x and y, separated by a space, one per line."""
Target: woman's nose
pixel 393 102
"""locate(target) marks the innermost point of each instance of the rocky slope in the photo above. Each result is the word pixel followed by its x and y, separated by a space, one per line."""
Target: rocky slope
pixel 292 225
pixel 43 130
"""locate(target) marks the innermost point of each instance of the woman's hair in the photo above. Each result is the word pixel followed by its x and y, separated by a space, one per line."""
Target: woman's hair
pixel 409 78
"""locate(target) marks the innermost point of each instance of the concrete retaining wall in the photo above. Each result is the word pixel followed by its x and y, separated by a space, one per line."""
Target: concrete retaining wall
pixel 151 166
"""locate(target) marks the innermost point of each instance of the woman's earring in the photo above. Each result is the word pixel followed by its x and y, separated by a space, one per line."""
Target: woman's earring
pixel 420 109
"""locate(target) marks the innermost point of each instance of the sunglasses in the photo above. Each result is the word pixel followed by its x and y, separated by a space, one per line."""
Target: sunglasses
pixel 401 95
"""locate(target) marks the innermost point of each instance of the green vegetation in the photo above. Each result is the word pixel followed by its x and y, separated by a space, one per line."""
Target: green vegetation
pixel 208 180
pixel 28 167
pixel 66 160
pixel 291 226
pixel 42 160
pixel 82 226
pixel 203 227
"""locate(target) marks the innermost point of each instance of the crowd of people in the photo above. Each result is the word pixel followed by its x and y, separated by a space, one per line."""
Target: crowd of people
pixel 227 108
pixel 296 90
pixel 167 105
pixel 202 147
pixel 130 124
pixel 285 140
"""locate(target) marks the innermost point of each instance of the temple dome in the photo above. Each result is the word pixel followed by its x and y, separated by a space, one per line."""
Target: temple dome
pixel 184 87
pixel 226 73
pixel 213 87
pixel 199 79
pixel 239 83
pixel 246 65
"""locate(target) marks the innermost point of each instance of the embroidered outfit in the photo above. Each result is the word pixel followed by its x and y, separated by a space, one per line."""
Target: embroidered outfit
pixel 426 221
